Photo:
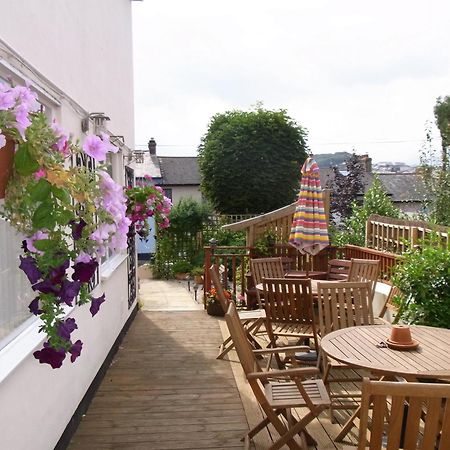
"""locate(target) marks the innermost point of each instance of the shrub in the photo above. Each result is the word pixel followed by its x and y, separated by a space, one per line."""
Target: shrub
pixel 424 278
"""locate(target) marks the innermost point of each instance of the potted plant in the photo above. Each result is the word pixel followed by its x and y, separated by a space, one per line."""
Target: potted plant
pixel 197 272
pixel 213 305
pixel 181 269
pixel 70 216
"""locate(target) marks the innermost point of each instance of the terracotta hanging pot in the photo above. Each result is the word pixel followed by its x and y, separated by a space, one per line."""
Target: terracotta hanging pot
pixel 6 165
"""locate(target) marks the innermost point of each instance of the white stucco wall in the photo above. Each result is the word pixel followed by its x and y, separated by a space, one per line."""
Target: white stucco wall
pixel 83 47
pixel 179 192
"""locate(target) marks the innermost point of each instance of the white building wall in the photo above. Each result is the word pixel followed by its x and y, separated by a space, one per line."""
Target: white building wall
pixel 179 192
pixel 84 49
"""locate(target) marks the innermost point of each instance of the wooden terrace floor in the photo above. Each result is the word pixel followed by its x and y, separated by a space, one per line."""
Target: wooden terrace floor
pixel 165 390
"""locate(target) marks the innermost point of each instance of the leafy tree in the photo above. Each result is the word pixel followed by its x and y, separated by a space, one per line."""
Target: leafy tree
pixel 435 167
pixel 250 161
pixel 345 188
pixel 375 201
pixel 442 116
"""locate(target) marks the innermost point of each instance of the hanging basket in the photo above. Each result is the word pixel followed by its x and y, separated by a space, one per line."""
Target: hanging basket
pixel 6 165
pixel 215 309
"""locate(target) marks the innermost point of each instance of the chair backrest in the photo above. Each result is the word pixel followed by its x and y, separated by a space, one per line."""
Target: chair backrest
pixel 266 268
pixel 410 404
pixel 241 343
pixel 289 301
pixel 394 294
pixel 214 274
pixel 343 304
pixel 365 270
pixel 338 269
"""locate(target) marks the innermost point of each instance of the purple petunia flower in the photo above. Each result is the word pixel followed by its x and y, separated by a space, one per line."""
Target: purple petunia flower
pixel 84 271
pixel 34 307
pixel 49 355
pixel 58 273
pixel 77 229
pixel 66 328
pixel 75 350
pixel 28 265
pixel 95 148
pixel 46 287
pixel 95 304
pixel 69 290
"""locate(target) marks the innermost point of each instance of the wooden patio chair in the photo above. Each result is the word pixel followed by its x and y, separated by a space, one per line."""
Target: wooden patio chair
pixel 342 304
pixel 290 313
pixel 394 293
pixel 365 270
pixel 265 268
pixel 251 320
pixel 406 426
pixel 278 391
pixel 338 269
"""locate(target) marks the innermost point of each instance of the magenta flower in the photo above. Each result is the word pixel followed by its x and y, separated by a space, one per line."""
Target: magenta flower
pixel 94 147
pixel 95 304
pixel 39 173
pixel 49 355
pixel 2 140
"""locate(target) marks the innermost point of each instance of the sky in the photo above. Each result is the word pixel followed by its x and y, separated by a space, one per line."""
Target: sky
pixel 359 76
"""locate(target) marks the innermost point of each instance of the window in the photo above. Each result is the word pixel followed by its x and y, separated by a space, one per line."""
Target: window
pixel 16 291
pixel 168 193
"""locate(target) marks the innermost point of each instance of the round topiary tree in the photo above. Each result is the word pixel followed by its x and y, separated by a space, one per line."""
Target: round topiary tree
pixel 250 161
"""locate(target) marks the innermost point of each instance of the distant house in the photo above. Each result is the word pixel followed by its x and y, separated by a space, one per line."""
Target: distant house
pixel 179 176
pixel 406 190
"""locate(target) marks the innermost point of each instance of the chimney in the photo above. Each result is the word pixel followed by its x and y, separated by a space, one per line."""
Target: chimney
pixel 366 162
pixel 152 147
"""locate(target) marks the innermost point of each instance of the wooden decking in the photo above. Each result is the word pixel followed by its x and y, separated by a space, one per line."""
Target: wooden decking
pixel 165 390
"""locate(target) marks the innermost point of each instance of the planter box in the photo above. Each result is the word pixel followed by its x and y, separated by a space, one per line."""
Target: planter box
pixel 215 309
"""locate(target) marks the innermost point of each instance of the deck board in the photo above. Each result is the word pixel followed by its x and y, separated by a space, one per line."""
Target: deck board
pixel 166 390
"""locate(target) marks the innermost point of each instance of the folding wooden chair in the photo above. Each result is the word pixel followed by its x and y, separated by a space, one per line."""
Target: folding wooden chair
pixel 406 426
pixel 394 294
pixel 265 268
pixel 338 269
pixel 342 304
pixel 278 391
pixel 251 320
pixel 290 313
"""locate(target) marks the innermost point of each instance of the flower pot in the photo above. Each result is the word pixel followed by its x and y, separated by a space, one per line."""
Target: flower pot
pixel 214 309
pixel 198 279
pixel 6 165
pixel 181 276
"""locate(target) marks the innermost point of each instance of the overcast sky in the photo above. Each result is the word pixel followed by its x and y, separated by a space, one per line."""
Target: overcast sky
pixel 358 75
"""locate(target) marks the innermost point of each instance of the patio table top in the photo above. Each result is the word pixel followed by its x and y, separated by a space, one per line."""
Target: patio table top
pixel 360 347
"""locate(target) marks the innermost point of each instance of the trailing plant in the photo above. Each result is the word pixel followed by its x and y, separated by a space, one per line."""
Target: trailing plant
pixel 146 200
pixel 68 214
pixel 424 277
pixel 265 244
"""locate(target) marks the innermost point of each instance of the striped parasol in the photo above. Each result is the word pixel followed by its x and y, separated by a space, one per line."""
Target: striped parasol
pixel 309 231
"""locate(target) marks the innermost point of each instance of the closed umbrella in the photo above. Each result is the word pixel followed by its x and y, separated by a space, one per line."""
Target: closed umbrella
pixel 309 231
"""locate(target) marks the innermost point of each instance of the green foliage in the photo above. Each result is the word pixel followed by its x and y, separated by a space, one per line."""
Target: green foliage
pixel 249 161
pixel 375 201
pixel 189 216
pixel 424 278
pixel 264 245
pixel 435 166
pixel 181 266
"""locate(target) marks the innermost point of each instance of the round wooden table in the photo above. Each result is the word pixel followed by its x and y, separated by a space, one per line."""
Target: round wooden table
pixel 360 347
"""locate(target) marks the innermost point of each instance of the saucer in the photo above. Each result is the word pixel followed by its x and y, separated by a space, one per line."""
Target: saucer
pixel 397 346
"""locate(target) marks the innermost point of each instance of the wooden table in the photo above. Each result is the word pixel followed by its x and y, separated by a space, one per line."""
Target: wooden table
pixel 260 286
pixel 357 347
pixel 313 274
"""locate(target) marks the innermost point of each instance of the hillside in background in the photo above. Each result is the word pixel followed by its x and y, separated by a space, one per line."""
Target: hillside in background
pixel 331 159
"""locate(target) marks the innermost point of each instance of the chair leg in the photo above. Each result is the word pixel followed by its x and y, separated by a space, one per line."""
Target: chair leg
pixel 225 347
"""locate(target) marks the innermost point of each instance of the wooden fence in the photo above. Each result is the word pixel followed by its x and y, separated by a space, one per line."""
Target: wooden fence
pixel 397 235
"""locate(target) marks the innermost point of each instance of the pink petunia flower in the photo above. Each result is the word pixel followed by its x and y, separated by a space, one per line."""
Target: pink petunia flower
pixel 40 173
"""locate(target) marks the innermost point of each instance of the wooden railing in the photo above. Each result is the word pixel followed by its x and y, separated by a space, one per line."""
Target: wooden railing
pixel 387 260
pixel 397 235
